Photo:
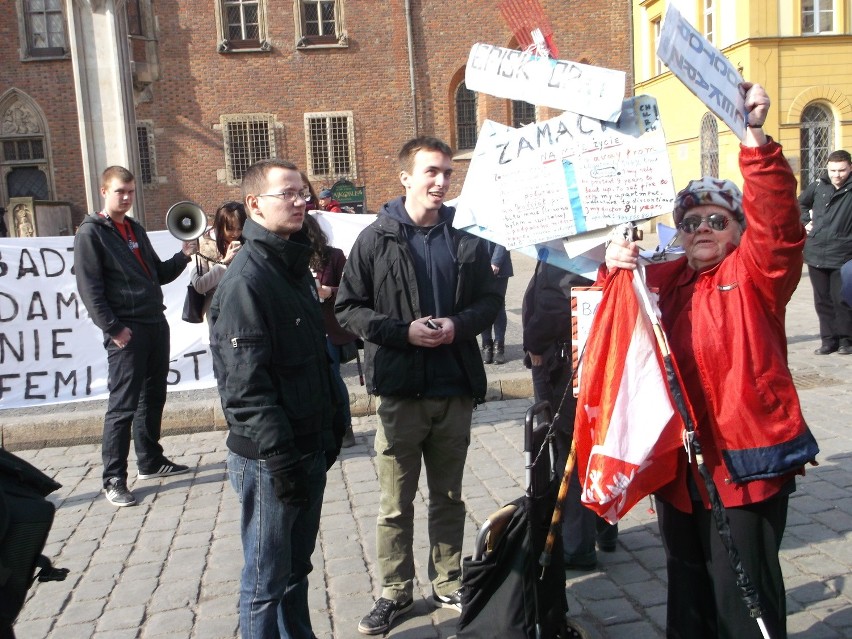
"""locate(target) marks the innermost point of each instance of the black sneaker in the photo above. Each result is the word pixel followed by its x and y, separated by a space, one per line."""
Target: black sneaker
pixel 117 493
pixel 452 600
pixel 166 469
pixel 380 618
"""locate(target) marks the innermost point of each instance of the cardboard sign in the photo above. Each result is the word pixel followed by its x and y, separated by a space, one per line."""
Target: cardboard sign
pixel 566 176
pixel 703 69
pixel 584 302
pixel 561 84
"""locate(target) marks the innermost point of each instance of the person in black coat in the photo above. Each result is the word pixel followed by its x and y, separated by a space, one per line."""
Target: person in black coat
pixel 493 343
pixel 826 206
pixel 546 317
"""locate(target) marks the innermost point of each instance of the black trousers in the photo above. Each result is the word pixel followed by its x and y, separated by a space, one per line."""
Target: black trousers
pixel 581 527
pixel 704 601
pixel 835 317
pixel 137 395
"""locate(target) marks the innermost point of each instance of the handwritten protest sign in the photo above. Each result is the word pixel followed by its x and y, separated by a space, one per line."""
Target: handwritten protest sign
pixel 520 75
pixel 568 175
pixel 703 69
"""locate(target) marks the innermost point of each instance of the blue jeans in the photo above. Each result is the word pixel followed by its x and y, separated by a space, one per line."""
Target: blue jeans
pixel 278 540
pixel 502 320
pixel 345 412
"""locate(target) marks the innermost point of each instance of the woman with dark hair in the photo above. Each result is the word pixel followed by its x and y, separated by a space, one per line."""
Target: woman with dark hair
pixel 311 202
pixel 327 266
pixel 215 254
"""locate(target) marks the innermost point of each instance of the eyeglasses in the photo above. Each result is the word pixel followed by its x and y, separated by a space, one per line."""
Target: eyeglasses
pixel 289 196
pixel 716 221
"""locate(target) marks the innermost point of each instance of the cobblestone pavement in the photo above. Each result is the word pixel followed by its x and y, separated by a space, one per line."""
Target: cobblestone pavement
pixel 170 566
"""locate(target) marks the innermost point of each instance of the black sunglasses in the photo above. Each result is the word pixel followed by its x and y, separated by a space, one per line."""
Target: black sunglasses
pixel 716 221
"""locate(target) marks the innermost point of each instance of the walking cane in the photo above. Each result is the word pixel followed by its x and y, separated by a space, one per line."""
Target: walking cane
pixel 358 363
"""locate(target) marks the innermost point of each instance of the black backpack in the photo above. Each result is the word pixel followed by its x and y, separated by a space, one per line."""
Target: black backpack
pixel 25 520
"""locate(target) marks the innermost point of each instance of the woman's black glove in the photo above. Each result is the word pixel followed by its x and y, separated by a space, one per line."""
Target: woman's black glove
pixel 289 480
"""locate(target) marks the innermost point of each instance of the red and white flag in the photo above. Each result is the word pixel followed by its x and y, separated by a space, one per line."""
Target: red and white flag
pixel 627 431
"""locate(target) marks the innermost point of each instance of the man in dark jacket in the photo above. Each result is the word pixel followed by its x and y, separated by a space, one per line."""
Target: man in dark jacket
pixel 493 343
pixel 119 278
pixel 546 317
pixel 269 356
pixel 826 206
pixel 418 292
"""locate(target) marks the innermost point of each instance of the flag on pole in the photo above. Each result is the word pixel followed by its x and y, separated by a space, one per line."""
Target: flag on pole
pixel 627 431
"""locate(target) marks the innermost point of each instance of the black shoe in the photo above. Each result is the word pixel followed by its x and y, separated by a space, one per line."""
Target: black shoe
pixel 451 601
pixel 606 546
pixel 117 493
pixel 844 350
pixel 488 352
pixel 499 353
pixel 348 438
pixel 826 349
pixel 382 615
pixel 584 563
pixel 166 469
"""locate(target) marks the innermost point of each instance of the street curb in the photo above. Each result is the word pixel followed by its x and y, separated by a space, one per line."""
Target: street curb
pixel 188 413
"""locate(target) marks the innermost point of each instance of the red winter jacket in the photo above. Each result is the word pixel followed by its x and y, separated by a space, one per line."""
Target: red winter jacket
pixel 726 331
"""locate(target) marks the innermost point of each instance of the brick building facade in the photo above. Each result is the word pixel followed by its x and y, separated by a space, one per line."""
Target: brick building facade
pixel 329 85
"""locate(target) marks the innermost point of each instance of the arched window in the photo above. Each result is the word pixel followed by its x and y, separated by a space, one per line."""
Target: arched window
pixel 466 128
pixel 709 145
pixel 817 133
pixel 24 152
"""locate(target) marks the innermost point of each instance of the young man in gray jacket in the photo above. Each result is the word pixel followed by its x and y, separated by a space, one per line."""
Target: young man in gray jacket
pixel 119 277
pixel 419 292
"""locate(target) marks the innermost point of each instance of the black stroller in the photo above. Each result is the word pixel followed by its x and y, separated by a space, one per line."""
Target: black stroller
pixel 503 592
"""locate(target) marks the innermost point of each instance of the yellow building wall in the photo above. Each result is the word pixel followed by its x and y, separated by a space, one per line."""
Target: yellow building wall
pixel 796 70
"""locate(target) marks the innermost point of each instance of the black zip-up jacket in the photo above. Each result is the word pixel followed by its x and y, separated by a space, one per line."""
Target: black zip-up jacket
pixel 269 351
pixel 112 283
pixel 829 244
pixel 379 297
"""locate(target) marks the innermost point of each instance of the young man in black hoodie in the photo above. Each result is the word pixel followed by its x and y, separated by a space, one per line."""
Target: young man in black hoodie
pixel 418 292
pixel 119 277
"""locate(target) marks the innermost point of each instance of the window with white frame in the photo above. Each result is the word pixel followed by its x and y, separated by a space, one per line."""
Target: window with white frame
pixel 656 28
pixel 709 31
pixel 817 16
pixel 816 137
pixel 145 142
pixel 43 28
pixel 319 23
pixel 330 145
pixel 248 139
pixel 242 25
pixel 709 145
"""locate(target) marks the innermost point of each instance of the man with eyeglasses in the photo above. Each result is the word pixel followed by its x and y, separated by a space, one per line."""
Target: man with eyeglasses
pixel 826 206
pixel 723 308
pixel 269 356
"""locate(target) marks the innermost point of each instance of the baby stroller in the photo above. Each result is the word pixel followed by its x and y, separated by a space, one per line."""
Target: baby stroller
pixel 505 592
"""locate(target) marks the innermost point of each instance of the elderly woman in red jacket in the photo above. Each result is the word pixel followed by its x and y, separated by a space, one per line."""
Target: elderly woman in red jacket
pixel 723 310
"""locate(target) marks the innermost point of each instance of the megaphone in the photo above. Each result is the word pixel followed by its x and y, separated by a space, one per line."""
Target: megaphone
pixel 186 221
